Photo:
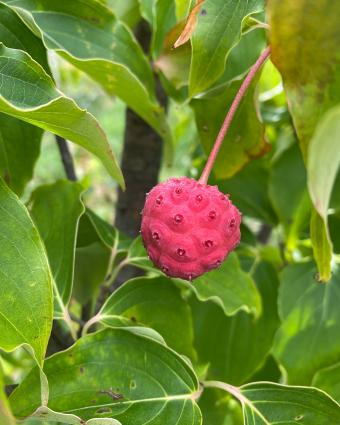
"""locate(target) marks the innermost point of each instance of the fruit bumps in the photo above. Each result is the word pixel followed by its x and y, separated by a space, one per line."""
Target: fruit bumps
pixel 188 228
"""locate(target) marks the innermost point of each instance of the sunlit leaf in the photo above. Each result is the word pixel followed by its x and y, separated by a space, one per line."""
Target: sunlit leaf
pixel 19 141
pixel 29 94
pixel 309 65
pixel 218 29
pixel 26 301
pixel 118 374
pixel 105 49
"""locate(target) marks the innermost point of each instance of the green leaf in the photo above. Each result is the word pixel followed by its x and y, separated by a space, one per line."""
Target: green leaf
pixel 269 404
pixel 322 246
pixel 324 160
pixel 156 303
pixel 91 269
pixel 146 8
pixel 29 94
pixel 98 244
pixel 93 228
pixel 287 183
pixel 161 15
pixel 6 417
pixel 107 233
pixel 310 94
pixel 19 141
pixel 218 30
pixel 93 40
pixel 126 11
pixel 25 280
pixel 57 226
pixel 309 64
pixel 300 223
pixel 45 414
pixel 269 371
pixel 164 18
pixel 322 168
pixel 15 34
pixel 219 409
pixel 174 65
pixel 328 380
pixel 335 197
pixel 308 337
pixel 182 8
pixel 334 230
pixel 245 139
pixel 289 195
pixel 117 374
pixel 235 347
pixel 241 58
pixel 249 191
pixel 229 287
pixel 19 150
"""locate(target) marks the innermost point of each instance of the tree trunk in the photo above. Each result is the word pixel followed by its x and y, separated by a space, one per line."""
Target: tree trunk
pixel 140 165
pixel 141 161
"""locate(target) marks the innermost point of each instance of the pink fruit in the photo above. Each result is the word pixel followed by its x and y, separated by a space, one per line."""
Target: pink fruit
pixel 189 228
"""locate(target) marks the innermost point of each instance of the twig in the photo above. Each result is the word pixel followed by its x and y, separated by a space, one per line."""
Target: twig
pixel 66 158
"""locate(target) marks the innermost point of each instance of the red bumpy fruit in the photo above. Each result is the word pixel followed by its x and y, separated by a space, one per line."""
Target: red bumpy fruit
pixel 189 228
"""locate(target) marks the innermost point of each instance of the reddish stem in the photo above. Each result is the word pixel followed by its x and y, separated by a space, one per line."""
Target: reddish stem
pixel 230 115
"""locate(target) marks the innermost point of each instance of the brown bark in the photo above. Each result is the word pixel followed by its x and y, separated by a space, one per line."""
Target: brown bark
pixel 141 161
pixel 140 165
pixel 66 158
pixel 141 158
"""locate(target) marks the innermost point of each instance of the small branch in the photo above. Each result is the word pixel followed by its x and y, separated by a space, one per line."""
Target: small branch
pixel 264 233
pixel 66 158
pixel 230 115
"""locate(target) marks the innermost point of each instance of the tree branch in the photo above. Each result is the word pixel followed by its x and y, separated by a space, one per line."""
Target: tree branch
pixel 66 158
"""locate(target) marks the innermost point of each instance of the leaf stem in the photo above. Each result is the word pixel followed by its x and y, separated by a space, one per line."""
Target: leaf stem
pixel 112 277
pixel 89 323
pixel 235 392
pixel 230 115
pixel 65 313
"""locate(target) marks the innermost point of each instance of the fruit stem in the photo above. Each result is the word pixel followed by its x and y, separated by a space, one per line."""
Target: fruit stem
pixel 230 115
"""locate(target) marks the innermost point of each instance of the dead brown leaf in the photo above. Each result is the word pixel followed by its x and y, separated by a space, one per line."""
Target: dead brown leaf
pixel 190 24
